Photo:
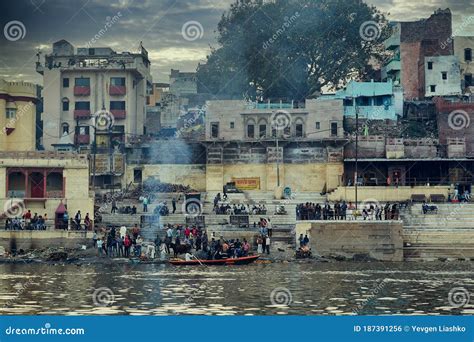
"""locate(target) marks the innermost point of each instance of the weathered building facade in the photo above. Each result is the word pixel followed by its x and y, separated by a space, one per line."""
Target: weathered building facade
pixel 97 96
pixel 271 145
pixel 17 116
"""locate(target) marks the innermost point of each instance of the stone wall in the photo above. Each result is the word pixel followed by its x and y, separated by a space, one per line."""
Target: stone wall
pixel 193 175
pixel 381 240
pixel 28 239
pixel 384 194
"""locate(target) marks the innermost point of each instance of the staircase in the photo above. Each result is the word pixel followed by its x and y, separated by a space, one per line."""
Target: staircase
pixel 446 234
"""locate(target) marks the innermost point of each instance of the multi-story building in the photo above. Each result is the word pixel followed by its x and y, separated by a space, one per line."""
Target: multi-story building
pixel 182 83
pixel 265 145
pixel 410 43
pixel 95 95
pixel 442 76
pixel 42 181
pixel 372 100
pixel 463 48
pixel 17 116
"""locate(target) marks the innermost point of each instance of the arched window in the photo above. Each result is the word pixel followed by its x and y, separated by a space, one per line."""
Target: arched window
pixel 299 128
pixel 468 55
pixel 65 104
pixel 250 129
pixel 262 128
pixel 65 128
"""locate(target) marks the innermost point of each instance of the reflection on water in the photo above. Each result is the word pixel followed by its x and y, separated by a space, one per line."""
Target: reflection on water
pixel 259 289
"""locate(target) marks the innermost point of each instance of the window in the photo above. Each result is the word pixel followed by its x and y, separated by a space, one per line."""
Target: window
pixel 117 105
pixel 82 130
pixel 137 175
pixel 468 55
pixel 468 80
pixel 65 106
pixel 65 82
pixel 214 129
pixel 82 105
pixel 82 82
pixel 318 125
pixel 299 130
pixel 232 125
pixel 250 131
pixel 333 129
pixel 432 88
pixel 117 81
pixel 348 102
pixel 444 75
pixel 65 128
pixel 10 113
pixel 430 65
pixel 363 101
pixel 262 130
pixel 379 100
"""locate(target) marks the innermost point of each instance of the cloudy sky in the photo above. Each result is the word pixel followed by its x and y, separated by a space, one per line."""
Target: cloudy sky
pixel 158 23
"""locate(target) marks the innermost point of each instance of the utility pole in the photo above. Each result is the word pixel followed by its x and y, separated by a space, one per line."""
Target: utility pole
pixel 356 151
pixel 277 158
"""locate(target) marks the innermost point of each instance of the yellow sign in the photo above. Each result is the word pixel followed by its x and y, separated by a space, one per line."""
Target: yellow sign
pixel 247 183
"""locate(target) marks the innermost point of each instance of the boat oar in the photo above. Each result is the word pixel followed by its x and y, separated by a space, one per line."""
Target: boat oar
pixel 197 259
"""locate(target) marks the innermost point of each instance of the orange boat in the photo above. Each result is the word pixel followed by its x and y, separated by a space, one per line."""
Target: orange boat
pixel 228 261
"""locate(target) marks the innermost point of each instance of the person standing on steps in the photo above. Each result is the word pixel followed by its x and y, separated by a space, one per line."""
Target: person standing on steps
pixel 267 244
pixel 173 203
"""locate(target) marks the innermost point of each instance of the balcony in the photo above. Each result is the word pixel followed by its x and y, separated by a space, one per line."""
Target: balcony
pixel 393 42
pixel 82 90
pixel 119 113
pixel 393 66
pixel 81 113
pixel 82 138
pixel 117 90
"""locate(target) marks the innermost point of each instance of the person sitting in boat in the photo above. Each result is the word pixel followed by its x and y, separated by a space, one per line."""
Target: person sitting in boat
pixel 188 256
pixel 245 248
pixel 225 248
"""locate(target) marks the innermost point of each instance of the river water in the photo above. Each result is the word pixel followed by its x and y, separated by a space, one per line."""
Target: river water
pixel 259 289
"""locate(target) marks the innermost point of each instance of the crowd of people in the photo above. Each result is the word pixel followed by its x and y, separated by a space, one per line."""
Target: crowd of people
pixel 118 243
pixel 27 222
pixel 222 207
pixel 178 239
pixel 347 211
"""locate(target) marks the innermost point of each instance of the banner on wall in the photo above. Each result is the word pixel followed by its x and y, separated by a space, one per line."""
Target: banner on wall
pixel 251 183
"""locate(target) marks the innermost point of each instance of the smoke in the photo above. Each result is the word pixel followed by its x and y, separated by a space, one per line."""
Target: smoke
pixel 174 151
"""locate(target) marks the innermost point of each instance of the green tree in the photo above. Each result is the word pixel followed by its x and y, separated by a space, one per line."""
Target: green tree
pixel 292 48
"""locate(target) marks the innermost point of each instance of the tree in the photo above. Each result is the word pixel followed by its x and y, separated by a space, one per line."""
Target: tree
pixel 292 48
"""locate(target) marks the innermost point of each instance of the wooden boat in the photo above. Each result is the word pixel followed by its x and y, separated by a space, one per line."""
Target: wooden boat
pixel 228 261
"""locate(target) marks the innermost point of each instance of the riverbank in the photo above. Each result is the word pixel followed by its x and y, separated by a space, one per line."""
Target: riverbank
pixel 79 256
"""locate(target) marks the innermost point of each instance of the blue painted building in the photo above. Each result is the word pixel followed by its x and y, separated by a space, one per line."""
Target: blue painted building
pixel 373 100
